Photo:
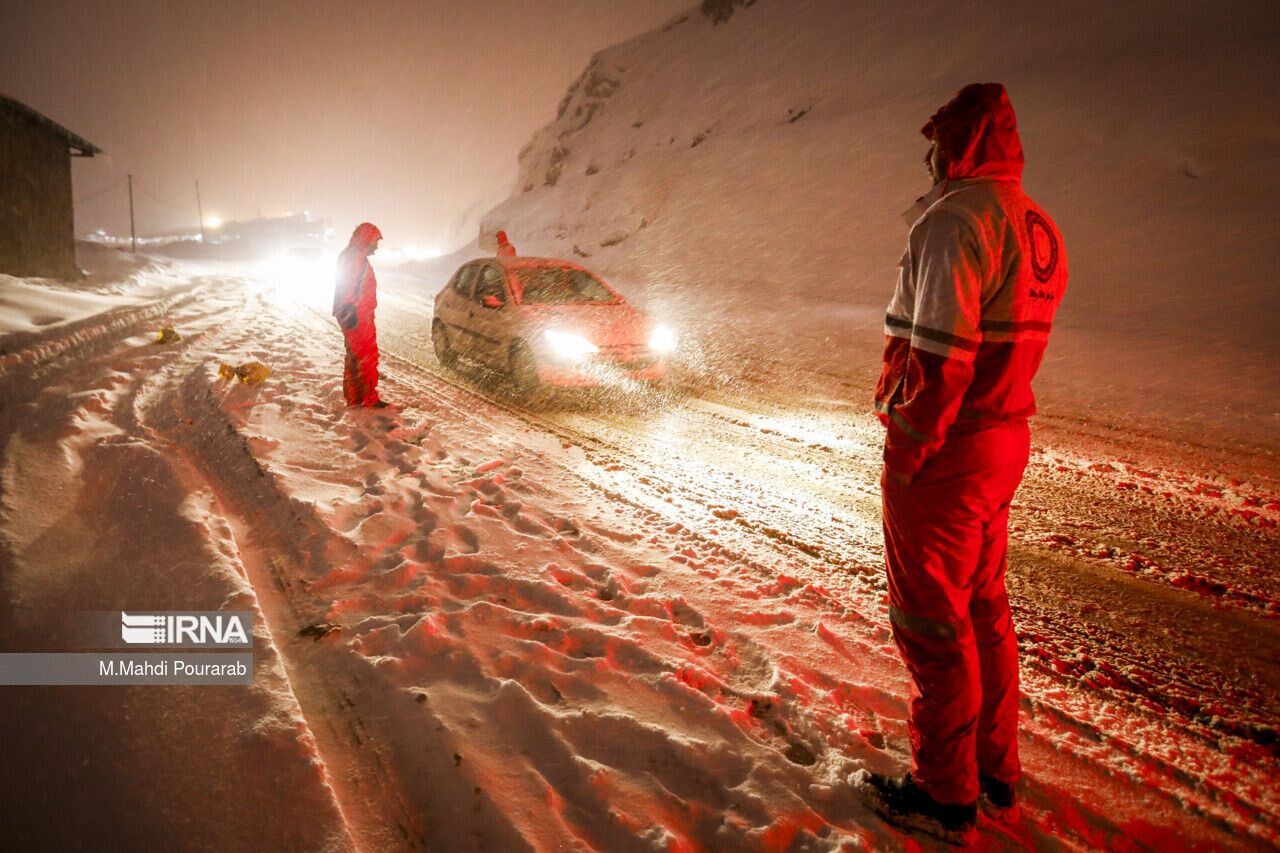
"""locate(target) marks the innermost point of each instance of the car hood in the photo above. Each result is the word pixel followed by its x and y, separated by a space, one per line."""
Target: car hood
pixel 617 324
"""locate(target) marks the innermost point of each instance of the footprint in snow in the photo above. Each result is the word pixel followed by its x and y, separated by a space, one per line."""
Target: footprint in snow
pixel 358 441
pixel 425 518
pixel 463 540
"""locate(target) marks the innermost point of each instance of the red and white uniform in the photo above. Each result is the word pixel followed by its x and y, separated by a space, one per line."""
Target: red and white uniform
pixel 984 272
pixel 356 288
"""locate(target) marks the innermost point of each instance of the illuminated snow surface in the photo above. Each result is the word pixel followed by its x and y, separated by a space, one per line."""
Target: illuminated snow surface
pixel 621 620
pixel 594 619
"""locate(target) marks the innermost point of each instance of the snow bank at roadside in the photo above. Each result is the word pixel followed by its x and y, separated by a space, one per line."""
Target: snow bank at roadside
pixel 113 280
pixel 107 268
pixel 97 513
pixel 30 306
pixel 41 319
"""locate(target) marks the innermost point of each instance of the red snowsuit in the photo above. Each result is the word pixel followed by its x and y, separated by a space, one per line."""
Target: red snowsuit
pixel 983 273
pixel 355 296
pixel 505 249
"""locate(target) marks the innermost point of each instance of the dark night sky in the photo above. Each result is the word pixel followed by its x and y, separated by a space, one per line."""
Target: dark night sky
pixel 400 112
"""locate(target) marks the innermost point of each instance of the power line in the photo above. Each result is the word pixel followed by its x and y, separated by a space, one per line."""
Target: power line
pixel 100 192
pixel 132 181
pixel 156 198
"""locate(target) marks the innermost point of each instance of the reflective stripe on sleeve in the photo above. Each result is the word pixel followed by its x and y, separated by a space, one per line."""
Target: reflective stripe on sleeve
pixel 910 431
pixel 897 327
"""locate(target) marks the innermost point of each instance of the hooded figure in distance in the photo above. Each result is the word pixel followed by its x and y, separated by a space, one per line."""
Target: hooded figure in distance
pixel 984 271
pixel 505 249
pixel 355 296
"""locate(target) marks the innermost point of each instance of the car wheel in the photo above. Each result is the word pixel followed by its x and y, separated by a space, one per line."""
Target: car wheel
pixel 440 343
pixel 523 369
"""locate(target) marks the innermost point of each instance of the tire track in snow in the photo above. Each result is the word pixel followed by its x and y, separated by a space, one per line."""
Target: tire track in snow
pixel 398 790
pixel 1227 554
pixel 265 527
pixel 27 351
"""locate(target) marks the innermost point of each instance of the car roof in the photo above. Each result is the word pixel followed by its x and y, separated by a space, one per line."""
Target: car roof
pixel 520 262
pixel 526 261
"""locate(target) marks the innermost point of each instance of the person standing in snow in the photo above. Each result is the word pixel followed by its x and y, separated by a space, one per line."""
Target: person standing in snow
pixel 355 296
pixel 983 273
pixel 505 249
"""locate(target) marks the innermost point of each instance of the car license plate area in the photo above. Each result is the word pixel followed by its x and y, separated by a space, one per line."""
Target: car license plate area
pixel 627 357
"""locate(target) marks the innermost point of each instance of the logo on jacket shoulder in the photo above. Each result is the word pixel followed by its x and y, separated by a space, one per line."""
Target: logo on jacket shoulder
pixel 1044 246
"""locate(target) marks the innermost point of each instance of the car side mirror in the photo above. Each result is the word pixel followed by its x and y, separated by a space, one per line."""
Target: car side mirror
pixel 492 301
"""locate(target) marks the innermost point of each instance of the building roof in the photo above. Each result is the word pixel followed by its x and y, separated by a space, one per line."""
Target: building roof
pixel 79 146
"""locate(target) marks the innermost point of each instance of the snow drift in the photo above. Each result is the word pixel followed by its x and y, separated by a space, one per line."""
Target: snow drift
pixel 748 163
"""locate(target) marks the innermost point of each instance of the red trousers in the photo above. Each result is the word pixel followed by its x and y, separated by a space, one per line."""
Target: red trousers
pixel 360 371
pixel 946 537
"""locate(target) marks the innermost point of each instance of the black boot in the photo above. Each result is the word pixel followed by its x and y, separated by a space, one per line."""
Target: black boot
pixel 996 794
pixel 903 803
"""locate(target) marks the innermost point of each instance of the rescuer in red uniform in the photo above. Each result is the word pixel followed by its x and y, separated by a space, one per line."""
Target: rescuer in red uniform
pixel 505 249
pixel 355 296
pixel 983 273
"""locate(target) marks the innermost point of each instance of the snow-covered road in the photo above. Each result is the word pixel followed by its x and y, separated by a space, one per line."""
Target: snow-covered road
pixel 614 623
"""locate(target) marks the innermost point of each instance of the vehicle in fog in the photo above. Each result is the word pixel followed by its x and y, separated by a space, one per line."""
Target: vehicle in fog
pixel 546 322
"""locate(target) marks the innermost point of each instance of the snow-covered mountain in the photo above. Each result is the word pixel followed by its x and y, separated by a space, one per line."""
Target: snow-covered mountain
pixel 748 162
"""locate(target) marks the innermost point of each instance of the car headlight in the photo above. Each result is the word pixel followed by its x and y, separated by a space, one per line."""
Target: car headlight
pixel 568 345
pixel 662 340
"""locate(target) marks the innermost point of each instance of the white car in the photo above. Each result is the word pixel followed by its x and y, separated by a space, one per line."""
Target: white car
pixel 546 322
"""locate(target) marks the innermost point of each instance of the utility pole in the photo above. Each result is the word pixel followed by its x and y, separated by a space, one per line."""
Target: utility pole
pixel 200 212
pixel 133 235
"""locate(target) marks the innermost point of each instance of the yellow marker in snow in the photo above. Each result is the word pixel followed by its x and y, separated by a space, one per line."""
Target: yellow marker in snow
pixel 253 372
pixel 249 373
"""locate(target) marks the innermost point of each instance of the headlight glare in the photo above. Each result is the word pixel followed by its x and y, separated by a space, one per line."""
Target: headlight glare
pixel 568 345
pixel 663 339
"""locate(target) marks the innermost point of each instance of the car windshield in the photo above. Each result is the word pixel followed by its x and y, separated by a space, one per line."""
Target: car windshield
pixel 561 286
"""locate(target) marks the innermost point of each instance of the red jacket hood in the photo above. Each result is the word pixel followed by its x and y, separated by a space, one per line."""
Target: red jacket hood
pixel 977 134
pixel 364 236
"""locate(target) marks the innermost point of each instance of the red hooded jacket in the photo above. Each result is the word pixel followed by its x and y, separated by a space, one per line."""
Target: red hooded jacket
pixel 356 286
pixel 984 272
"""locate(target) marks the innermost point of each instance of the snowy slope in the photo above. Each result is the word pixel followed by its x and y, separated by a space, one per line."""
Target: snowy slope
pixel 752 172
